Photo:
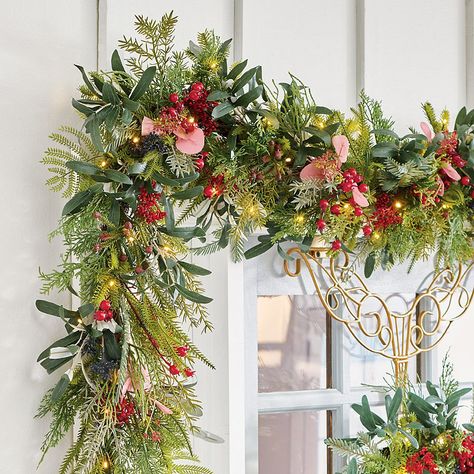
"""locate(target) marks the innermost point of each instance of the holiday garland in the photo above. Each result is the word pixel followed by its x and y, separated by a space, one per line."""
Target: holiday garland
pixel 183 132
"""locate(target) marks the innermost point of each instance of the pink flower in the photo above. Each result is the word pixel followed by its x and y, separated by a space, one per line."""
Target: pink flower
pixel 341 145
pixel 359 198
pixel 427 131
pixel 149 126
pixel 451 172
pixel 163 408
pixel 189 143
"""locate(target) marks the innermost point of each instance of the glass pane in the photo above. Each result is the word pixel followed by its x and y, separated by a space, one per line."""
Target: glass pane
pixel 457 341
pixel 292 443
pixel 368 367
pixel 291 343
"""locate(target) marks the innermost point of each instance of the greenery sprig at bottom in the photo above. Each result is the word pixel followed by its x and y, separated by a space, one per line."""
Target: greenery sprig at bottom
pixel 419 433
pixel 182 131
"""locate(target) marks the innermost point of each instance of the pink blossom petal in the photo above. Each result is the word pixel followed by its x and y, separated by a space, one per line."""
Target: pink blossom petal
pixel 146 379
pixel 311 171
pixel 451 172
pixel 359 198
pixel 440 184
pixel 341 145
pixel 127 387
pixel 189 143
pixel 163 408
pixel 148 126
pixel 426 130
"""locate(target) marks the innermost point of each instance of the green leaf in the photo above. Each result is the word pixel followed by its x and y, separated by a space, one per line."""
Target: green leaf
pixel 384 150
pixel 469 427
pixel 385 133
pixel 112 348
pixel 82 167
pixel 352 467
pixel 395 405
pixel 236 71
pixel 165 180
pixel 86 309
pixel 369 265
pixel 454 398
pixel 320 110
pixel 88 83
pixel 93 128
pixel 143 83
pixel 217 95
pixel 116 62
pixel 194 269
pixel 130 105
pixel 258 250
pixel 243 79
pixel 222 109
pixel 70 339
pixel 111 117
pixel 109 95
pixel 247 98
pixel 114 213
pixel 192 295
pixel 118 177
pixel 83 109
pixel 76 203
pixel 54 309
pixel 422 404
pixel 410 438
pixel 53 364
pixel 189 193
pixel 60 388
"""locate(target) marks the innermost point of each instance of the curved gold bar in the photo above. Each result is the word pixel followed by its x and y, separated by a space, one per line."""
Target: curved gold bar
pixel 396 336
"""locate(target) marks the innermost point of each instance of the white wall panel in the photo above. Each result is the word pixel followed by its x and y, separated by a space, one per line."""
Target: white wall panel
pixel 314 40
pixel 39 41
pixel 193 18
pixel 415 51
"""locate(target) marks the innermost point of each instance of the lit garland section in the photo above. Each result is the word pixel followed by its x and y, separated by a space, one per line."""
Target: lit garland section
pixel 172 135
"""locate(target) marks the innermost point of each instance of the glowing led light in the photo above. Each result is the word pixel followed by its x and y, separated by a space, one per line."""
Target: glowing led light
pixel 131 239
pixel 398 204
pixel 136 139
pixel 213 64
pixel 346 206
pixel 191 119
pixel 288 160
pixel 105 464
pixel 103 163
pixel 166 248
pixel 79 320
pixel 376 236
pixel 321 124
pixel 112 283
pixel 299 219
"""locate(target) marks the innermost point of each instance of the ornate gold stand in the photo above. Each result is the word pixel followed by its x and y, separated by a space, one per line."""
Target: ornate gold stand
pixel 397 336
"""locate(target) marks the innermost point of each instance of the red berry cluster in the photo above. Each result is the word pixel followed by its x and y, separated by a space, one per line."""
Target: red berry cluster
pixel 385 215
pixel 124 410
pixel 200 108
pixel 175 371
pixel 148 207
pixel 104 313
pixel 465 457
pixel 215 187
pixel 421 462
pixel 350 180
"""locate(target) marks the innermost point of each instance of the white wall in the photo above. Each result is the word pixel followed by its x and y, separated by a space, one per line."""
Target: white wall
pixel 39 41
pixel 403 52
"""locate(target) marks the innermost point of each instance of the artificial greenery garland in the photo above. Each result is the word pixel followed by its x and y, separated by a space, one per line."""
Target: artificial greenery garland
pixel 181 130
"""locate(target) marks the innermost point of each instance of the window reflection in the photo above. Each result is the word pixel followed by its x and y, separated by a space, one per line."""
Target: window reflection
pixel 291 343
pixel 293 443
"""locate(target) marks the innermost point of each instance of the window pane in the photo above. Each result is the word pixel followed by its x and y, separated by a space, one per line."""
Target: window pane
pixel 292 443
pixel 291 343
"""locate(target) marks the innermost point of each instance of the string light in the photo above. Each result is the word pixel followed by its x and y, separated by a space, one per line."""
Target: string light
pixel 346 206
pixel 299 219
pixel 105 464
pixel 103 163
pixel 135 139
pixel 112 283
pixel 166 248
pixel 191 119
pixel 321 124
pixel 376 236
pixel 131 239
pixel 213 64
pixel 79 320
pixel 288 160
pixel 398 204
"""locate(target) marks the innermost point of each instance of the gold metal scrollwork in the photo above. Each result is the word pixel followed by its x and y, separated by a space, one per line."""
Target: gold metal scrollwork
pixel 397 336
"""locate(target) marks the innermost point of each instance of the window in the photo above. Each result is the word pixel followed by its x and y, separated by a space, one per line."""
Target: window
pixel 304 371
